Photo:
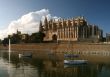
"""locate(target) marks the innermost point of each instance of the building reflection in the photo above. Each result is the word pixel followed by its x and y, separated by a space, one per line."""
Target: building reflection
pixel 86 70
pixel 53 67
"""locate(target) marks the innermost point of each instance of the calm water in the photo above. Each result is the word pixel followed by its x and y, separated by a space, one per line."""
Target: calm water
pixel 47 65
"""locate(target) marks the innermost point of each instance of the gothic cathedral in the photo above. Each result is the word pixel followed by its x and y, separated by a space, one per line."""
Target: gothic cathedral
pixel 75 29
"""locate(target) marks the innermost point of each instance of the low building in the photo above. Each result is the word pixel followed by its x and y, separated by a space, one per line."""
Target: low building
pixel 107 37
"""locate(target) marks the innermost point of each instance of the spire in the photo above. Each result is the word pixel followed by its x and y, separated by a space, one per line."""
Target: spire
pixel 59 23
pixel 40 23
pixel 82 17
pixel 18 32
pixel 40 27
pixel 45 23
pixel 73 21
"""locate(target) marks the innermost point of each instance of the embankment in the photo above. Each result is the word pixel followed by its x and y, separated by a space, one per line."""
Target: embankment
pixel 59 47
pixel 94 51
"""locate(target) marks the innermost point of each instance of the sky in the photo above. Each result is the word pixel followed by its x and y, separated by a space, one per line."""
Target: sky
pixel 25 15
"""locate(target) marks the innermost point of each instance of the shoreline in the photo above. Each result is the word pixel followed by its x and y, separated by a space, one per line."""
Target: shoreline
pixel 92 52
pixel 59 47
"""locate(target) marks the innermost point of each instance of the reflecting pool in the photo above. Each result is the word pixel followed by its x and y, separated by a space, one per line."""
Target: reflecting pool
pixel 51 65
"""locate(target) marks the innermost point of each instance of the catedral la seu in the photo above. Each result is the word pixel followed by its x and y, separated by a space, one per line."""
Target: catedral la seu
pixel 75 29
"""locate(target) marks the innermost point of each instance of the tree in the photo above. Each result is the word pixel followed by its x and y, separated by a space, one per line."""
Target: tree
pixel 37 37
pixel 5 41
pixel 0 41
pixel 15 38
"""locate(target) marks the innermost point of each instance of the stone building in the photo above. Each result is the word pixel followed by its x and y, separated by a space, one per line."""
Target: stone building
pixel 107 37
pixel 75 29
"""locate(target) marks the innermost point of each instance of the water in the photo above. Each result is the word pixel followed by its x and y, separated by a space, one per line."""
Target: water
pixel 49 65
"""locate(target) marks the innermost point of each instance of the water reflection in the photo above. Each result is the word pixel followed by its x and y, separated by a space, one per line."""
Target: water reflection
pixel 50 65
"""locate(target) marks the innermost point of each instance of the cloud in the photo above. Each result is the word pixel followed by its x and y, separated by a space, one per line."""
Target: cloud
pixel 28 23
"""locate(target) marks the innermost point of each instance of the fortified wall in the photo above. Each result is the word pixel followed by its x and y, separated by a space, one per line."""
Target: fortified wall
pixel 64 47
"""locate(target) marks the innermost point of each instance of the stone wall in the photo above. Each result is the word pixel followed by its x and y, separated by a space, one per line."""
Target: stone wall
pixel 60 47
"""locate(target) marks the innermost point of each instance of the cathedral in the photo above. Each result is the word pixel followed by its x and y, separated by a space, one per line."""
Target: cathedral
pixel 75 29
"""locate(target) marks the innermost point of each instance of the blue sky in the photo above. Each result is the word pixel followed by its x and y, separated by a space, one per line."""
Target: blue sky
pixel 95 11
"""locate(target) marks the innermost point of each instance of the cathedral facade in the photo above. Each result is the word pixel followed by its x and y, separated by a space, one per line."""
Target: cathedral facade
pixel 75 29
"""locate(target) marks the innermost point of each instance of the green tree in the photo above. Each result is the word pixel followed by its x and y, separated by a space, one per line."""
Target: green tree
pixel 0 41
pixel 5 41
pixel 15 39
pixel 37 37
